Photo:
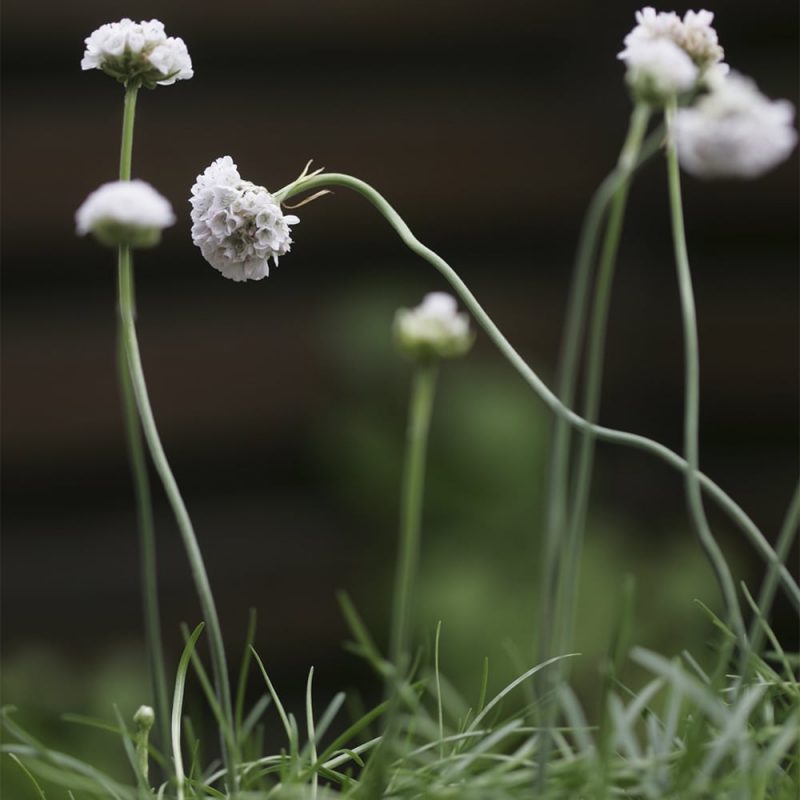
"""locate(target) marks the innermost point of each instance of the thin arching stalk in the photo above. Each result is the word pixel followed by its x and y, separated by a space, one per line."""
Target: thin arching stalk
pixel 636 441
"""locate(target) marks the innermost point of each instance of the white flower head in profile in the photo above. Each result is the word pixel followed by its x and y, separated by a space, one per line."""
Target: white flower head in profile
pixel 734 131
pixel 125 213
pixel 693 35
pixel 138 51
pixel 659 69
pixel 238 225
pixel 434 329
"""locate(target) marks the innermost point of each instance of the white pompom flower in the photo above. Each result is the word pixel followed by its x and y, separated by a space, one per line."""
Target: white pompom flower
pixel 125 213
pixel 734 131
pixel 138 51
pixel 659 70
pixel 693 35
pixel 238 225
pixel 434 329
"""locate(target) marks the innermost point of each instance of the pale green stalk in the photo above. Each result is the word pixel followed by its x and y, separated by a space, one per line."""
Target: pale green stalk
pixel 198 570
pixel 568 578
pixel 692 389
pixel 734 511
pixel 144 505
pixel 135 391
pixel 419 418
pixel 564 540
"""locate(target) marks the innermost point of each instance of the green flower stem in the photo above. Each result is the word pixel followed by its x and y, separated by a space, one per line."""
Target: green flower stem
pixel 199 575
pixel 636 441
pixel 766 596
pixel 144 505
pixel 555 501
pixel 692 390
pixel 570 568
pixel 134 391
pixel 419 418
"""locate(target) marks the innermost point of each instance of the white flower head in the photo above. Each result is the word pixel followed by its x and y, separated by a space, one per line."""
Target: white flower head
pixel 237 225
pixel 734 131
pixel 693 35
pixel 125 212
pixel 434 329
pixel 140 51
pixel 659 69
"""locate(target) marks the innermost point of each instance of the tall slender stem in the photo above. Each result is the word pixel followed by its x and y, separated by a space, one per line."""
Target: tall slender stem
pixel 568 365
pixel 692 388
pixel 568 578
pixel 199 575
pixel 419 418
pixel 544 393
pixel 141 483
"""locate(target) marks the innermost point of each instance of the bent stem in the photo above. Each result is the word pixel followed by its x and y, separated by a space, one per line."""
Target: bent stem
pixel 141 483
pixel 692 389
pixel 199 575
pixel 568 578
pixel 734 511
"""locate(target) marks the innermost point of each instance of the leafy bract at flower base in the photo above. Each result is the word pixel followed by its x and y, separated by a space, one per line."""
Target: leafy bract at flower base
pixel 138 51
pixel 128 213
pixel 238 225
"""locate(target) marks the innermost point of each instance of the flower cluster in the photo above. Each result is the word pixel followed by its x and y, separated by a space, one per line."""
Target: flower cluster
pixel 666 55
pixel 125 213
pixel 237 225
pixel 734 131
pixel 139 51
pixel 434 329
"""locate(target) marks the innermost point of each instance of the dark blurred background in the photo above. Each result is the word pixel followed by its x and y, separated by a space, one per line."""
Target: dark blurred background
pixel 282 404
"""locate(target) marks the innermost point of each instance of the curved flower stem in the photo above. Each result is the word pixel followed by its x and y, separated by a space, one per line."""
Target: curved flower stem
pixel 766 596
pixel 636 441
pixel 134 392
pixel 568 578
pixel 199 575
pixel 144 505
pixel 419 418
pixel 692 391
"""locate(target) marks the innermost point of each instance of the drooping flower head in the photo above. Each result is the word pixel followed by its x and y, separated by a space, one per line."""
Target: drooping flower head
pixel 238 225
pixel 734 131
pixel 141 51
pixel 693 35
pixel 125 212
pixel 434 329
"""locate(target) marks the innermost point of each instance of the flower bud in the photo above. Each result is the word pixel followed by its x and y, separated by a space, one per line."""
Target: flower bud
pixel 129 213
pixel 144 718
pixel 434 329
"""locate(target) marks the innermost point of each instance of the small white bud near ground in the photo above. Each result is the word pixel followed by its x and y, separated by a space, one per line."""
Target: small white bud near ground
pixel 144 718
pixel 129 213
pixel 734 131
pixel 138 51
pixel 434 329
pixel 238 225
